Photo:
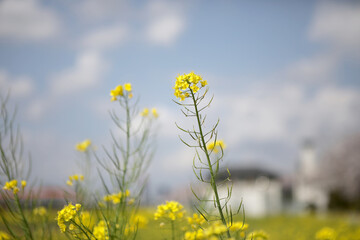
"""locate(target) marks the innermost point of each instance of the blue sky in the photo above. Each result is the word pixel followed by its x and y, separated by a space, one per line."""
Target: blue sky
pixel 281 71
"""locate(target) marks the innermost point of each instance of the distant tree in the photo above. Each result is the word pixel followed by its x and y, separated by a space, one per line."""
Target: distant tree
pixel 341 171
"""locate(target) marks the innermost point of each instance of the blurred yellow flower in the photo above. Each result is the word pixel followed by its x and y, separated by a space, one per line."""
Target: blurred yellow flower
pixel 127 87
pixel 40 211
pixel 145 112
pixel 257 235
pixel 83 146
pixel 23 184
pixel 118 91
pixel 12 185
pixel 196 220
pixel 217 146
pixel 171 211
pixel 4 236
pixel 66 214
pixel 154 112
pixel 100 231
pixel 326 233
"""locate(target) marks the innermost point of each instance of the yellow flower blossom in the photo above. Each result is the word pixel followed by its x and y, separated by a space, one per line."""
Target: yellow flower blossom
pixel 100 231
pixel 187 83
pixel 118 91
pixel 171 211
pixel 40 211
pixel 127 87
pixel 12 186
pixel 325 233
pixel 73 178
pixel 145 112
pixel 154 113
pixel 67 214
pixel 23 184
pixel 116 198
pixel 4 236
pixel 196 220
pixel 216 146
pixel 83 146
pixel 257 235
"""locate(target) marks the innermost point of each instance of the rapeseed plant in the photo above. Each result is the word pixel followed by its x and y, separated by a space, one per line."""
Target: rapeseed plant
pixel 208 149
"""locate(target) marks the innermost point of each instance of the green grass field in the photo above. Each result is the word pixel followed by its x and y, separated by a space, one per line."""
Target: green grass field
pixel 281 227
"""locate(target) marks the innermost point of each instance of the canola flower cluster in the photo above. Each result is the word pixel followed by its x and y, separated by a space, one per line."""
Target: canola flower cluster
pixel 196 221
pixel 40 211
pixel 172 210
pixel 145 112
pixel 136 221
pixel 67 214
pixel 83 146
pixel 13 186
pixel 100 231
pixel 116 198
pixel 119 91
pixel 215 230
pixel 326 233
pixel 73 178
pixel 216 146
pixel 257 235
pixel 4 236
pixel 187 83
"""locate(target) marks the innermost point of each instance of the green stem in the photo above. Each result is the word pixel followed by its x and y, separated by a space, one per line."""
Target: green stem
pixel 28 230
pixel 172 230
pixel 212 182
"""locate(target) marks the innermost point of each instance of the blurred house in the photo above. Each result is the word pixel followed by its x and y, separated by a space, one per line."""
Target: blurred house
pixel 308 191
pixel 259 190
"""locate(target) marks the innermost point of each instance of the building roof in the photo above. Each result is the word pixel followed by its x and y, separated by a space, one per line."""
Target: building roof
pixel 247 174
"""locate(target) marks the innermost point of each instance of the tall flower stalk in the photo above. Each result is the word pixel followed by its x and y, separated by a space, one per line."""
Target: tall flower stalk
pixel 190 88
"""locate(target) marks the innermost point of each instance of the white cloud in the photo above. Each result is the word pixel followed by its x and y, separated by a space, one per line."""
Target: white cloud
pixel 287 113
pixel 339 24
pixel 27 20
pixel 20 86
pixel 105 38
pixel 166 22
pixel 86 73
pixel 313 69
pixel 94 10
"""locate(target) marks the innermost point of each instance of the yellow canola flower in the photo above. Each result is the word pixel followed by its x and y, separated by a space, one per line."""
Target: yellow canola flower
pixel 154 113
pixel 196 220
pixel 118 91
pixel 216 146
pixel 40 211
pixel 83 146
pixel 186 84
pixel 100 231
pixel 213 231
pixel 4 236
pixel 73 178
pixel 171 211
pixel 23 184
pixel 116 198
pixel 238 226
pixel 257 235
pixel 66 214
pixel 127 87
pixel 12 186
pixel 325 233
pixel 145 112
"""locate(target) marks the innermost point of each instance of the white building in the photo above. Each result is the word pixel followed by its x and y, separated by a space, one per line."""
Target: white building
pixel 308 191
pixel 260 191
